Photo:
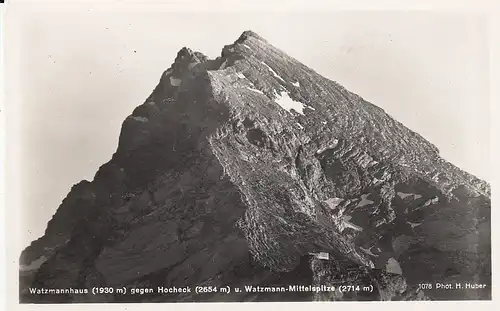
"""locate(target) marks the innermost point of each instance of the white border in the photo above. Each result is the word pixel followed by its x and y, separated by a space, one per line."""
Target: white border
pixel 9 140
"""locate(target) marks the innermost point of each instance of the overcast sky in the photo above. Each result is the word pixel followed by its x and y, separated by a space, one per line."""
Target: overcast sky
pixel 82 73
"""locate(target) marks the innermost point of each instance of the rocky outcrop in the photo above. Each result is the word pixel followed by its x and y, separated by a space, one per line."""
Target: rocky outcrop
pixel 235 169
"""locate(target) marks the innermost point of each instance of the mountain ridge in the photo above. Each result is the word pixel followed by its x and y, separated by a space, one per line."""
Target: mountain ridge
pixel 249 127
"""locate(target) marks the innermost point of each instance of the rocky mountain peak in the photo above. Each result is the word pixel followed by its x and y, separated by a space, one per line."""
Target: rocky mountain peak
pixel 236 169
pixel 187 55
pixel 249 33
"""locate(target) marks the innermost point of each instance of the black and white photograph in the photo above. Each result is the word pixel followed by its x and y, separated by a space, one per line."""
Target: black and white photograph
pixel 216 156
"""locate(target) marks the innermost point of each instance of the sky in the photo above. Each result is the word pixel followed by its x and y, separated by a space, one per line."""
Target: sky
pixel 79 74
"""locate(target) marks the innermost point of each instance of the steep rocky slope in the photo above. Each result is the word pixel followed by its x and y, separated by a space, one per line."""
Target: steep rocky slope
pixel 234 170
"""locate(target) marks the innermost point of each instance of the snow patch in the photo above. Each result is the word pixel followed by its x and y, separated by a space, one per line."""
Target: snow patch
pixel 403 195
pixel 255 90
pixel 273 72
pixel 331 146
pixel 175 81
pixel 364 201
pixel 431 201
pixel 240 75
pixel 300 126
pixel 413 224
pixel 246 46
pixel 348 224
pixel 168 72
pixel 309 107
pixel 324 122
pixel 321 255
pixel 296 84
pixel 333 202
pixel 393 266
pixel 288 103
pixel 35 264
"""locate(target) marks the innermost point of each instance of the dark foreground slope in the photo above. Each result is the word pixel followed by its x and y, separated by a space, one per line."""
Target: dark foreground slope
pixel 217 181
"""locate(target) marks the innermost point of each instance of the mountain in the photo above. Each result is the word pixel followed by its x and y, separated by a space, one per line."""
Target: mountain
pixel 236 171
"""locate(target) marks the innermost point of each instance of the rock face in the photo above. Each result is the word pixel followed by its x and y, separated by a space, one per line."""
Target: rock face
pixel 234 170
